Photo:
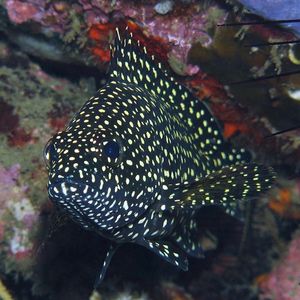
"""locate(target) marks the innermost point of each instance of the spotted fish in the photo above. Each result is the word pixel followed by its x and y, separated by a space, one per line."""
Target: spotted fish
pixel 142 156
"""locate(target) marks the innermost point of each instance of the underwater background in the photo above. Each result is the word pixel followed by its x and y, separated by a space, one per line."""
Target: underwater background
pixel 54 55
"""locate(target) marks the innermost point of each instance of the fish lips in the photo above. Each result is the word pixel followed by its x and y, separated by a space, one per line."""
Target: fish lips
pixel 93 208
pixel 75 198
pixel 68 190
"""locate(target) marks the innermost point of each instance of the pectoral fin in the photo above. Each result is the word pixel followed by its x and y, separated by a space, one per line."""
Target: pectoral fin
pixel 110 252
pixel 223 187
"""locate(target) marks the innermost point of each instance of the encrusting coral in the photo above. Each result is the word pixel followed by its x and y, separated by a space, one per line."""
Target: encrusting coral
pixel 282 283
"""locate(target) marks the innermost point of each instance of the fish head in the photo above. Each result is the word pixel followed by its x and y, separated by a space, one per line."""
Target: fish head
pixel 100 168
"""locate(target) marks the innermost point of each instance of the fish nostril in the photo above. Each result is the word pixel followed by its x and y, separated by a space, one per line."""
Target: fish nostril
pixel 70 180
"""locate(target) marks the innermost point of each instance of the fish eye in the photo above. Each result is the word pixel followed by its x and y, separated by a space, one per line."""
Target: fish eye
pixel 49 153
pixel 112 149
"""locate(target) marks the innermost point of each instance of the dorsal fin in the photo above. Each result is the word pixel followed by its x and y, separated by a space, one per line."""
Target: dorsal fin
pixel 131 63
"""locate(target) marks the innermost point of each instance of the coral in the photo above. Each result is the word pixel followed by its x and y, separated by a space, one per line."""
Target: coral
pixel 20 12
pixel 38 11
pixel 16 212
pixel 283 281
pixel 178 29
pixel 33 106
pixel 170 291
pixel 174 27
pixel 164 7
pixel 285 200
pixel 129 295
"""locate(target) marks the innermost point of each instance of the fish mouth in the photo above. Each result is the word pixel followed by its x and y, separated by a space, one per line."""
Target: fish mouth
pixel 93 208
pixel 74 197
pixel 69 189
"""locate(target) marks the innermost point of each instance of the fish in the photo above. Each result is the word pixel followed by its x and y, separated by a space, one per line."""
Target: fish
pixel 142 156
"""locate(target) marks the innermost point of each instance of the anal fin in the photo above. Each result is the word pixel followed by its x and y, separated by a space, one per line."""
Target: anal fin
pixel 186 237
pixel 168 252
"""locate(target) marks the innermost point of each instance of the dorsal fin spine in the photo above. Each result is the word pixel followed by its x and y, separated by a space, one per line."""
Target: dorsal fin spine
pixel 118 34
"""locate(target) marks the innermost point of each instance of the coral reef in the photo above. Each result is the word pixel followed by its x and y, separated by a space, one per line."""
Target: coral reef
pixel 53 56
pixel 283 281
pixel 34 105
pixel 17 214
pixel 176 27
pixel 285 200
pixel 127 294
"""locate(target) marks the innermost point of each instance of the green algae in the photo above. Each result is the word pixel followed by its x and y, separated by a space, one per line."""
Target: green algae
pixel 74 27
pixel 76 32
pixel 214 14
pixel 36 97
pixel 32 174
pixel 33 95
pixel 21 155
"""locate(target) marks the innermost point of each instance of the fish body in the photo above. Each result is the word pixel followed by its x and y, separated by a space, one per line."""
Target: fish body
pixel 142 156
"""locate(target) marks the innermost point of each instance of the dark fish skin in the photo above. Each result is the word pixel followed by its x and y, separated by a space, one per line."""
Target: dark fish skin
pixel 142 156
